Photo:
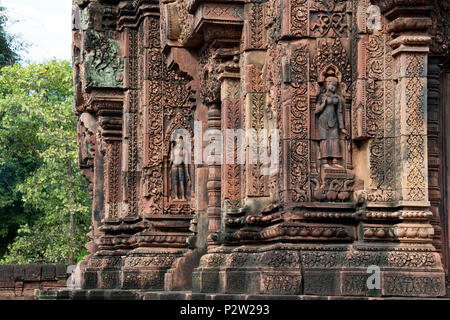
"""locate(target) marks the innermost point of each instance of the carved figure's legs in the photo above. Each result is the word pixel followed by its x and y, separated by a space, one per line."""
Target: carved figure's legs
pixel 183 190
pixel 175 182
pixel 179 183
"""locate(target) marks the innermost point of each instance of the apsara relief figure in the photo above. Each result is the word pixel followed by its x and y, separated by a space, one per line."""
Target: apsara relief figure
pixel 330 124
pixel 179 160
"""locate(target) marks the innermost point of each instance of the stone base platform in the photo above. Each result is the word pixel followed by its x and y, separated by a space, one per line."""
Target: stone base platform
pixel 99 294
pixel 327 270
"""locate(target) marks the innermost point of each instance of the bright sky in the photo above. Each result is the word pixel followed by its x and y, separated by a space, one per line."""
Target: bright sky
pixel 44 24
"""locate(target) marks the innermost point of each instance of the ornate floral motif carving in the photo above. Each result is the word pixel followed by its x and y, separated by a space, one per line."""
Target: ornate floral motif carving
pixel 412 285
pixel 104 261
pixel 299 114
pixel 279 259
pixel 320 259
pixel 150 260
pixel 208 76
pixel 411 260
pixel 232 190
pixel 299 169
pixel 331 52
pixel 253 79
pixel 331 16
pixel 299 17
pixel 354 284
pixel 440 28
pixel 415 124
pixel 132 175
pixel 281 284
pixel 186 20
pixel 113 179
pixel 256 26
pixel 222 11
pixel 257 182
pixel 380 117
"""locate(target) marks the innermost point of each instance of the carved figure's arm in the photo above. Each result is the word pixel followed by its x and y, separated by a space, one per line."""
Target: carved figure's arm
pixel 320 107
pixel 186 163
pixel 340 114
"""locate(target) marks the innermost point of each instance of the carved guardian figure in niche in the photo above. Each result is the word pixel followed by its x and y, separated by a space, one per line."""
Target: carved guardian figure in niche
pixel 330 124
pixel 179 162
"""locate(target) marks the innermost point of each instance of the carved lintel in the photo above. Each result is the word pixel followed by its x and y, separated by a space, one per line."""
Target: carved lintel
pixel 394 8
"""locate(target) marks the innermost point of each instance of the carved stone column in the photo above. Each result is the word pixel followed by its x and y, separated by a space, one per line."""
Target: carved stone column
pixel 210 87
pixel 214 184
pixel 233 147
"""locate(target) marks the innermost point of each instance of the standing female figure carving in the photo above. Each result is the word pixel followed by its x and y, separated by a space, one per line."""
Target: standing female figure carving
pixel 330 124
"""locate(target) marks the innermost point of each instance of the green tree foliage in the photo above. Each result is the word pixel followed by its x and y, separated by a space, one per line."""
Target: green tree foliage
pixel 38 159
pixel 8 46
pixel 13 168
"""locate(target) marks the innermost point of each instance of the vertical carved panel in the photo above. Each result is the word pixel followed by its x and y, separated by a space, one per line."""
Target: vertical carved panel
pixel 131 175
pixel 256 105
pixel 232 172
pixel 167 107
pixel 256 182
pixel 177 115
pixel 153 124
pixel 153 185
pixel 299 125
pixel 112 180
pixel 380 120
pixel 273 76
pixel 255 26
pixel 415 124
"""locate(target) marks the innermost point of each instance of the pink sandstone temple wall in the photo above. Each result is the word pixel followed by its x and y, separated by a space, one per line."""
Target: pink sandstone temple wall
pixel 352 97
pixel 20 281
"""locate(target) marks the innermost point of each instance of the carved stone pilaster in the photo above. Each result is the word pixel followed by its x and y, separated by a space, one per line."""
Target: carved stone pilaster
pixel 435 164
pixel 410 52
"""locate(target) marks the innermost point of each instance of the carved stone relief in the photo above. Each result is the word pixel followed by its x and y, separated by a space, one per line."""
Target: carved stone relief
pixel 349 103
